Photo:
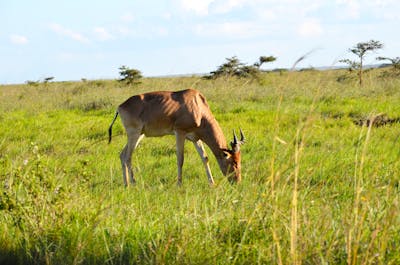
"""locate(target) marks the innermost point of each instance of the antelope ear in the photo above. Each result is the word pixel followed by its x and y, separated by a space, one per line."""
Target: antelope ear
pixel 227 154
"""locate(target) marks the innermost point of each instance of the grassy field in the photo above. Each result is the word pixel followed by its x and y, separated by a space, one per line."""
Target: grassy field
pixel 317 188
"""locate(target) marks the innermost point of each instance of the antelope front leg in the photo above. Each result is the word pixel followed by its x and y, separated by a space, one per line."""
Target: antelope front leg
pixel 180 143
pixel 202 152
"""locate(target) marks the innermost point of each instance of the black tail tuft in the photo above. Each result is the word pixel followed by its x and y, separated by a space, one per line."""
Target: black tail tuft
pixel 110 128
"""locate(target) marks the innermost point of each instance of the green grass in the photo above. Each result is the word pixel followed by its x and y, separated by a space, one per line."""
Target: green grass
pixel 317 189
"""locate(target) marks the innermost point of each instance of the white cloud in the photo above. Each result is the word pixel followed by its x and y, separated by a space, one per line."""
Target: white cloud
pixel 196 6
pixel 225 6
pixel 364 10
pixel 310 28
pixel 18 39
pixel 352 9
pixel 103 34
pixel 68 33
pixel 385 9
pixel 236 30
pixel 204 7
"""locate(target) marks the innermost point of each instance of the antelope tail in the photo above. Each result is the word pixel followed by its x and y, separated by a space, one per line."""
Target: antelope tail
pixel 111 125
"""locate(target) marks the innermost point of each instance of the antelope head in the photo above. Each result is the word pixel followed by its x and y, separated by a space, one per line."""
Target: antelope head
pixel 233 165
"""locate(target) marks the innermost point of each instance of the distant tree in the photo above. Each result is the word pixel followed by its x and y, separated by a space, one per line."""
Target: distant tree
pixel 360 50
pixel 233 67
pixel 230 68
pixel 129 76
pixel 264 59
pixel 48 79
pixel 394 63
pixel 249 71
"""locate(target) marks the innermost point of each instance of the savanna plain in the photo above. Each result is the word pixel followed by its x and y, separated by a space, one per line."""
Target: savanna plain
pixel 320 177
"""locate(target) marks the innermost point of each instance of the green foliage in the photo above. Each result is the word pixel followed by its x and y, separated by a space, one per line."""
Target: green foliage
pixel 264 59
pixel 394 66
pixel 48 79
pixel 317 187
pixel 234 68
pixel 231 68
pixel 360 50
pixel 394 62
pixel 129 76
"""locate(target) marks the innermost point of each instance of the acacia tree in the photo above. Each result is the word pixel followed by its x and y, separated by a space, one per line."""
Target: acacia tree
pixel 360 50
pixel 48 79
pixel 230 68
pixel 129 76
pixel 264 59
pixel 233 67
pixel 394 62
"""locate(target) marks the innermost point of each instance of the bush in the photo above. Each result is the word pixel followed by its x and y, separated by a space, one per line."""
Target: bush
pixel 129 76
pixel 234 68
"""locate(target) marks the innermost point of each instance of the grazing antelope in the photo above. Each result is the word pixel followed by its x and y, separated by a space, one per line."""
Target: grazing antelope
pixel 183 113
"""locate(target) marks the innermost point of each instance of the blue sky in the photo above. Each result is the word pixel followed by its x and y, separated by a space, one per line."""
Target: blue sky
pixel 89 39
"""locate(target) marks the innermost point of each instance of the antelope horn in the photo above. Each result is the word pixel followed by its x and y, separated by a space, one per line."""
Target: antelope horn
pixel 235 140
pixel 242 138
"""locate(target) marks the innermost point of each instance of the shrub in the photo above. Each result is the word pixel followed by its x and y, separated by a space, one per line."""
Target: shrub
pixel 129 76
pixel 234 68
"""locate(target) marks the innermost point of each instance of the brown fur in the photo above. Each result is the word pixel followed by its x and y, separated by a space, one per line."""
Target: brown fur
pixel 183 113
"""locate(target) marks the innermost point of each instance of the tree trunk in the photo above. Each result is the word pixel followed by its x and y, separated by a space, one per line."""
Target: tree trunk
pixel 360 71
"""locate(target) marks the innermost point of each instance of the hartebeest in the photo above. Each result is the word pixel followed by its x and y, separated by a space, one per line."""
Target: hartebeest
pixel 183 113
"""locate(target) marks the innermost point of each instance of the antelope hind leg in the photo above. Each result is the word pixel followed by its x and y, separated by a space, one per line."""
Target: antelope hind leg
pixel 126 158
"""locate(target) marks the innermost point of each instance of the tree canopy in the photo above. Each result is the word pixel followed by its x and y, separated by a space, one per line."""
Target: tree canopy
pixel 234 68
pixel 129 76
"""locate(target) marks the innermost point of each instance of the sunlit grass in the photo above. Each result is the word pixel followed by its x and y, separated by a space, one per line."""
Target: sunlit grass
pixel 317 189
